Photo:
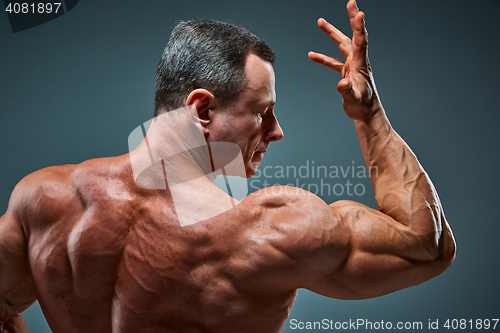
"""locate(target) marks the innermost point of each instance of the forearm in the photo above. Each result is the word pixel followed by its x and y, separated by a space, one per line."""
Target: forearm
pixel 402 188
pixel 10 317
pixel 14 325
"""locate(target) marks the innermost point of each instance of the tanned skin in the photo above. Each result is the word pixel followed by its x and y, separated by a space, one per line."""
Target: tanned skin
pixel 102 254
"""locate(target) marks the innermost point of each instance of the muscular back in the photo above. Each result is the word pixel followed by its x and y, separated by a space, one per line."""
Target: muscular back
pixel 108 256
pixel 104 255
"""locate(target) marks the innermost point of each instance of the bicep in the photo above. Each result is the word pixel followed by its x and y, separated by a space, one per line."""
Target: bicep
pixel 379 256
pixel 16 285
pixel 345 250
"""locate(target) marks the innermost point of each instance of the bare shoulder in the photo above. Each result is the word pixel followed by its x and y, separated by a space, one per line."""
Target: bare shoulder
pixel 36 199
pixel 41 193
pixel 299 225
pixel 47 194
pixel 291 205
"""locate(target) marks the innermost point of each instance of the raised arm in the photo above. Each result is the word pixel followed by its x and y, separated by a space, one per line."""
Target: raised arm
pixel 16 286
pixel 407 241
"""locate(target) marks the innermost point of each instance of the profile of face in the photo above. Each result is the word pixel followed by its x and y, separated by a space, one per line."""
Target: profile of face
pixel 250 123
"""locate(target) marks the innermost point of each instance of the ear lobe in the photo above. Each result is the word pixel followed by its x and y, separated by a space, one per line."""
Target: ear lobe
pixel 204 101
pixel 205 118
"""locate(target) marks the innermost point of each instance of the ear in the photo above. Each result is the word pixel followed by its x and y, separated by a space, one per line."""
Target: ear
pixel 204 101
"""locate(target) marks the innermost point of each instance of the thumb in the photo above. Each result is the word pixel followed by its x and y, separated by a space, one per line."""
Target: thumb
pixel 344 87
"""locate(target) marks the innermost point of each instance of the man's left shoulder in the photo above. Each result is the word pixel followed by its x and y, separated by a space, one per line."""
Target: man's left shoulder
pixel 300 220
pixel 283 199
pixel 292 229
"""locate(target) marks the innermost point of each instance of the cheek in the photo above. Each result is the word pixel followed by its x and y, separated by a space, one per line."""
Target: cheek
pixel 244 131
pixel 253 140
pixel 249 135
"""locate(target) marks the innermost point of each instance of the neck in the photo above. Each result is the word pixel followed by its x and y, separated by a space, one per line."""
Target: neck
pixel 174 150
pixel 175 154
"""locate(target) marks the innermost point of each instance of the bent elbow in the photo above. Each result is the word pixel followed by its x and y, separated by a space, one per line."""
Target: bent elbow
pixel 447 250
pixel 440 251
pixel 445 246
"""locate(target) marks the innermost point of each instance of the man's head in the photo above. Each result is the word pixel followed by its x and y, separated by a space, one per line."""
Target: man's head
pixel 206 54
pixel 226 73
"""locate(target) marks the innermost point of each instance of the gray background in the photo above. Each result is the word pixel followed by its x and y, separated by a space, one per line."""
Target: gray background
pixel 74 88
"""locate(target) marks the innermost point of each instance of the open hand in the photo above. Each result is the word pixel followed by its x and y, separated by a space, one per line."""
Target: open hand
pixel 357 87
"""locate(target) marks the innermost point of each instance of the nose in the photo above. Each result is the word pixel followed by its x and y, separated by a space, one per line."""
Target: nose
pixel 273 131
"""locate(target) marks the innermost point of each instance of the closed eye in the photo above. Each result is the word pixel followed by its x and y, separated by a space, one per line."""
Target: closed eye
pixel 261 115
pixel 268 111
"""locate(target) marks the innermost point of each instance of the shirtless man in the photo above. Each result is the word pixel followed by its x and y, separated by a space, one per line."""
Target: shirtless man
pixel 103 254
